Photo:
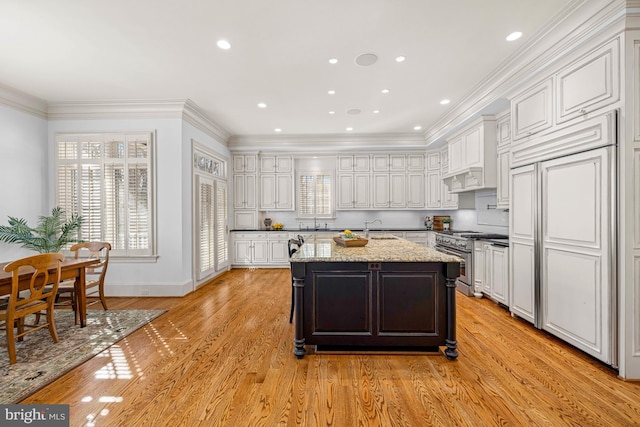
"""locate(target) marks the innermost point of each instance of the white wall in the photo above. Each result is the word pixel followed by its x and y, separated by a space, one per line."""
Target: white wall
pixel 24 172
pixel 169 274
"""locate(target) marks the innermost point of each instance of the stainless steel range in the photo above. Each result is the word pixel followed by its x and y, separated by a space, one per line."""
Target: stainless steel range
pixel 452 243
pixel 460 244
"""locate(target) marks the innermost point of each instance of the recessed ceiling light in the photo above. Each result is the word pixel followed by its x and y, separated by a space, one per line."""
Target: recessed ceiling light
pixel 333 61
pixel 262 105
pixel 417 127
pixel 332 92
pixel 277 130
pixel 444 102
pixel 366 59
pixel 376 111
pixel 385 91
pixel 332 112
pixel 514 36
pixel 400 58
pixel 353 111
pixel 349 129
pixel 223 44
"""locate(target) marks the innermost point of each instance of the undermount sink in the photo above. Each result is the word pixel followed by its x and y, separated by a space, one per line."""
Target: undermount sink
pixel 383 237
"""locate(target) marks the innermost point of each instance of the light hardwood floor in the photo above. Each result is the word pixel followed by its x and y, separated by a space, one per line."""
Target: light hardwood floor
pixel 222 356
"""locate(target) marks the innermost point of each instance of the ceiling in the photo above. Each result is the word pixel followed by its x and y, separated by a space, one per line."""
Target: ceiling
pixel 78 50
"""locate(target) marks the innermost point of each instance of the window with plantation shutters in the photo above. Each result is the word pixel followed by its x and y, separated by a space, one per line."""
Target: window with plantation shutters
pixel 315 195
pixel 106 178
pixel 211 246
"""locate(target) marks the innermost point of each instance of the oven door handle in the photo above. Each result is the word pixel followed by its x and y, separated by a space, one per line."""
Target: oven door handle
pixel 450 252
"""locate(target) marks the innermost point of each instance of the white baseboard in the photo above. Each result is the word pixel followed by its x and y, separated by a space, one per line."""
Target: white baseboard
pixel 148 289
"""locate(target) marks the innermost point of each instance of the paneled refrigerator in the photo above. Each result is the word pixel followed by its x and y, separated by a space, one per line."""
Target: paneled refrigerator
pixel 563 239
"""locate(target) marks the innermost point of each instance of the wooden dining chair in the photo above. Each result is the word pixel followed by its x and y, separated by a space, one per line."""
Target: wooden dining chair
pixel 293 245
pixel 37 299
pixel 95 276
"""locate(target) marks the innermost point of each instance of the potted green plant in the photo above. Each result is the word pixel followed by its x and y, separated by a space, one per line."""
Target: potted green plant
pixel 51 235
pixel 446 223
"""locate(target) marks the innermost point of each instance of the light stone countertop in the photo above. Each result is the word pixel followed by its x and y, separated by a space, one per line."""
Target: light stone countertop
pixel 392 249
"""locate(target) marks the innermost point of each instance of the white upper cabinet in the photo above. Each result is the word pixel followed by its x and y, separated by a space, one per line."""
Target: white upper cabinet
pixel 433 161
pixel 244 191
pixel 503 135
pixel 472 157
pixel 244 163
pixel 276 164
pixel 389 190
pixel 415 162
pixel 389 162
pixel 354 191
pixel 276 183
pixel 354 163
pixel 532 110
pixel 588 84
pixel 415 182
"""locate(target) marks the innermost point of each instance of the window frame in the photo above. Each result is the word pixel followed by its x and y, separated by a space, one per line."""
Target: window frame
pixel 148 254
pixel 332 196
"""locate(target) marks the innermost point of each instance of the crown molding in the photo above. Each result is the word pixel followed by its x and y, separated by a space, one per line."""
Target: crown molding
pixel 577 24
pixel 183 109
pixel 116 109
pixel 327 142
pixel 23 102
pixel 195 116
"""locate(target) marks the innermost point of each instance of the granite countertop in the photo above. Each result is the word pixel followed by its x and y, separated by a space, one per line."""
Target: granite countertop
pixel 390 249
pixel 331 230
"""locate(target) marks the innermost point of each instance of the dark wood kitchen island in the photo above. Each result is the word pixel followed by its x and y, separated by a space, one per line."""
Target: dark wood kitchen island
pixel 391 293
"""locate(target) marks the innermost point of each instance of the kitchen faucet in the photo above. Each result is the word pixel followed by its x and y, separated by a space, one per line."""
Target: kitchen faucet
pixel 366 226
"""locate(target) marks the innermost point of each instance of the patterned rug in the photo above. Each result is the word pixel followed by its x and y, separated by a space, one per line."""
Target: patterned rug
pixel 75 346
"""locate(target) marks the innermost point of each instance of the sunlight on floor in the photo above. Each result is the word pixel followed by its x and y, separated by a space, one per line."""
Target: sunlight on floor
pixel 117 368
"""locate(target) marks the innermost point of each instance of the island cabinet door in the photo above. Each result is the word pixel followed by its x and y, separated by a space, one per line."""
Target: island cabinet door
pixel 411 305
pixel 340 309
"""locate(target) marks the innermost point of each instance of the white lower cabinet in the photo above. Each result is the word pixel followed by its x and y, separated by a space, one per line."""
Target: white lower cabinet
pixel 496 275
pixel 420 237
pixel 260 249
pixel 478 267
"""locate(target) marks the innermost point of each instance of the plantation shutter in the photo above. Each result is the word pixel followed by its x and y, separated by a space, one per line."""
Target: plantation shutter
pixel 206 226
pixel 106 179
pixel 314 195
pixel 221 224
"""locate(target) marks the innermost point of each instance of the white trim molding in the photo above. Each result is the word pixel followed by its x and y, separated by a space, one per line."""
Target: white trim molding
pixel 23 102
pixel 183 109
pixel 327 142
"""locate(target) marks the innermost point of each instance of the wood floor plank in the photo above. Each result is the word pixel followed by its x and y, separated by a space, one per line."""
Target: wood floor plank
pixel 222 356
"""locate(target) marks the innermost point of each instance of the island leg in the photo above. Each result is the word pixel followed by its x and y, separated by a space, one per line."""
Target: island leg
pixel 451 352
pixel 298 289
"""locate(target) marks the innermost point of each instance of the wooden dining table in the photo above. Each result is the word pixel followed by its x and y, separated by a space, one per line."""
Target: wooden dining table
pixel 71 268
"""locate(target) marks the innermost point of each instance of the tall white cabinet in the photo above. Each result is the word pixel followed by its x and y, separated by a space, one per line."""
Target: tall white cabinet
pixel 245 191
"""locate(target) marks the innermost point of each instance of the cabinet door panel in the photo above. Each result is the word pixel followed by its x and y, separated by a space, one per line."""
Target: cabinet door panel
pixel 267 192
pixel 434 185
pixel 473 149
pixel 284 192
pixel 531 111
pixel 397 196
pixel 345 191
pixel 381 190
pixel 415 191
pixel 260 251
pixel 576 266
pixel 239 194
pixel 588 84
pixel 362 190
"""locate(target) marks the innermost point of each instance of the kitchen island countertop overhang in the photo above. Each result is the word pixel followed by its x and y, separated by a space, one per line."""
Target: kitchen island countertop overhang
pixel 389 293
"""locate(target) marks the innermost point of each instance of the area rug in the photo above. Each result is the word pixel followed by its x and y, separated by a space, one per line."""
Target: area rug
pixel 41 361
